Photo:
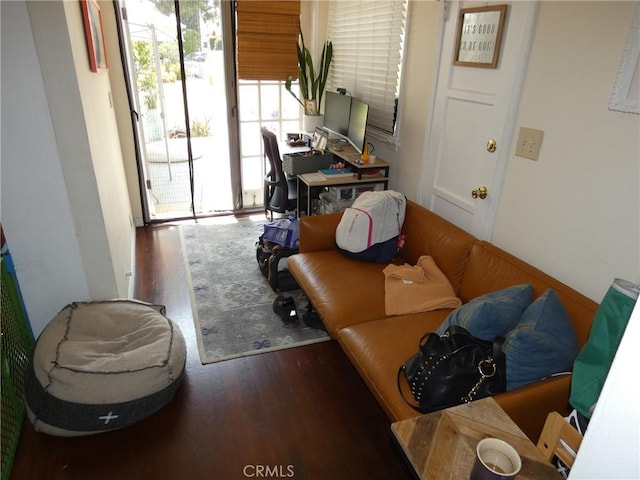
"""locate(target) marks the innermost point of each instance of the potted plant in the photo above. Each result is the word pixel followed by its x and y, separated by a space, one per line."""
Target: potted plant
pixel 311 84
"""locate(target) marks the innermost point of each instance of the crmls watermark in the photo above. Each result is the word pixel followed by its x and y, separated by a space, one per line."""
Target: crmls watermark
pixel 268 471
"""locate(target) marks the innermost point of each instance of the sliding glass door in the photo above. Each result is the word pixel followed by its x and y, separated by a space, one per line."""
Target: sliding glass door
pixel 181 64
pixel 178 80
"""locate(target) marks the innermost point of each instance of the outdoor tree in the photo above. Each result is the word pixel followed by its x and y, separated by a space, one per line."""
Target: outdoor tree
pixel 145 77
pixel 191 12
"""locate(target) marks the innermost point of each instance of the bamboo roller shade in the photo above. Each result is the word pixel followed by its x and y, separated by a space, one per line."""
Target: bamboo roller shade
pixel 267 38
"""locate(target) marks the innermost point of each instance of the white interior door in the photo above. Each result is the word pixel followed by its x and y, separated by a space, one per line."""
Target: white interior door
pixel 475 106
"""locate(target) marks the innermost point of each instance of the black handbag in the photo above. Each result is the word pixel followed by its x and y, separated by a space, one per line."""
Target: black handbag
pixel 452 369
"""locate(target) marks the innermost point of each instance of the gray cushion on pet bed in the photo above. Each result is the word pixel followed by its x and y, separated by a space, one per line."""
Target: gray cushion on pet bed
pixel 99 366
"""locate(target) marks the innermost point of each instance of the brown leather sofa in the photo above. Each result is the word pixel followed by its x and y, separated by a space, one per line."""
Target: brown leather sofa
pixel 348 295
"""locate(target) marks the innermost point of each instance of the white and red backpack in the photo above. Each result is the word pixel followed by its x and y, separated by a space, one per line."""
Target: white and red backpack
pixel 371 229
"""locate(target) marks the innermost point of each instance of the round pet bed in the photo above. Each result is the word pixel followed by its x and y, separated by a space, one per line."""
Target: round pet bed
pixel 100 366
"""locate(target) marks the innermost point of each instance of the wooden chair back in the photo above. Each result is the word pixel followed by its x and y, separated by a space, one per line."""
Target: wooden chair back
pixel 558 434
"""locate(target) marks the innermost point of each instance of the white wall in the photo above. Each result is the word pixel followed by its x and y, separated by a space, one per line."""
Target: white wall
pixel 313 23
pixel 35 208
pixel 575 213
pixel 114 220
pixel 424 30
pixel 65 207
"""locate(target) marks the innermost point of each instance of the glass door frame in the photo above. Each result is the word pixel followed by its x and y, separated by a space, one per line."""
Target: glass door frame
pixel 227 10
pixel 145 170
pixel 237 158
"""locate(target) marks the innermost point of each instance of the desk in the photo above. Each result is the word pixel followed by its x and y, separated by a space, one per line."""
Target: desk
pixel 349 155
pixel 442 445
pixel 311 184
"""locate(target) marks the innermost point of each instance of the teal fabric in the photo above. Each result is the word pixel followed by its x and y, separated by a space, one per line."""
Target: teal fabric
pixel 592 365
pixel 541 344
pixel 493 314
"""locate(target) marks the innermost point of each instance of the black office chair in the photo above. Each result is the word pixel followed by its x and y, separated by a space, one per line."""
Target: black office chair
pixel 280 192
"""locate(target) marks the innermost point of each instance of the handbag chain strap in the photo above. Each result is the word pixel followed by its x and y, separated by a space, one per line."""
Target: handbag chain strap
pixel 484 374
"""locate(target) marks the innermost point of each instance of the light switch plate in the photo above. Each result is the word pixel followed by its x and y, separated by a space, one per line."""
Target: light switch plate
pixel 529 142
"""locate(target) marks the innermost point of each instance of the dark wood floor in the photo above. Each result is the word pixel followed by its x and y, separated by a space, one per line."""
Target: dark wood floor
pixel 301 413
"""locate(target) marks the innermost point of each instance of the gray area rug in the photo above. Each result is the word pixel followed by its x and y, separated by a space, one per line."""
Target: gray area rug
pixel 231 300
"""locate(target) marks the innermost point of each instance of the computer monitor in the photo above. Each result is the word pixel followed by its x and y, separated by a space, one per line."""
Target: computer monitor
pixel 358 124
pixel 336 113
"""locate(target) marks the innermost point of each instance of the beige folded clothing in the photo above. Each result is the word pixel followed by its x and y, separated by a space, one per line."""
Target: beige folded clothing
pixel 420 288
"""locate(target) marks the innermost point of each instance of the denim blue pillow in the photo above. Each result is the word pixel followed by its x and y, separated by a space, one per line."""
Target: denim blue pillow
pixel 543 343
pixel 492 314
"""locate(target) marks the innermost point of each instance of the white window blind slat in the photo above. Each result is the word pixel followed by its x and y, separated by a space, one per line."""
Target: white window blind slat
pixel 367 37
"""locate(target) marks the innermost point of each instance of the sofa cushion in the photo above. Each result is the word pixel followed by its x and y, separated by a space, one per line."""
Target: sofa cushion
pixel 426 233
pixel 377 349
pixel 542 343
pixel 343 291
pixel 493 314
pixel 490 268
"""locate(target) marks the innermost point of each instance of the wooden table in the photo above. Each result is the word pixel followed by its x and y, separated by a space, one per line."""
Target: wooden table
pixel 442 445
pixel 311 184
pixel 349 154
pixel 364 174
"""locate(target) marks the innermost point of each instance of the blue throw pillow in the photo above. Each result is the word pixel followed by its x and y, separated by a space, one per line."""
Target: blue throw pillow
pixel 542 344
pixel 492 314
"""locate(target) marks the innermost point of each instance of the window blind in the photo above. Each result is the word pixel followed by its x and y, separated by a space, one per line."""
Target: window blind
pixel 368 39
pixel 267 35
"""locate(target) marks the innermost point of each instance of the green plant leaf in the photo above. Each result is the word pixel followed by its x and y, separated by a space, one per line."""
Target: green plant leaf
pixel 325 63
pixel 287 85
pixel 311 77
pixel 311 85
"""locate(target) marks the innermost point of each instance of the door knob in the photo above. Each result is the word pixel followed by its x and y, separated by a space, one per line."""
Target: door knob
pixel 480 192
pixel 492 145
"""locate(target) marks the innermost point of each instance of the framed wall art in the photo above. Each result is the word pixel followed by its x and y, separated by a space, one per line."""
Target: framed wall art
pixel 479 36
pixel 94 32
pixel 626 90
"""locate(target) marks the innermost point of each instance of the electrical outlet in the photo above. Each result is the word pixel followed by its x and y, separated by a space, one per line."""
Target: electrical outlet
pixel 529 142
